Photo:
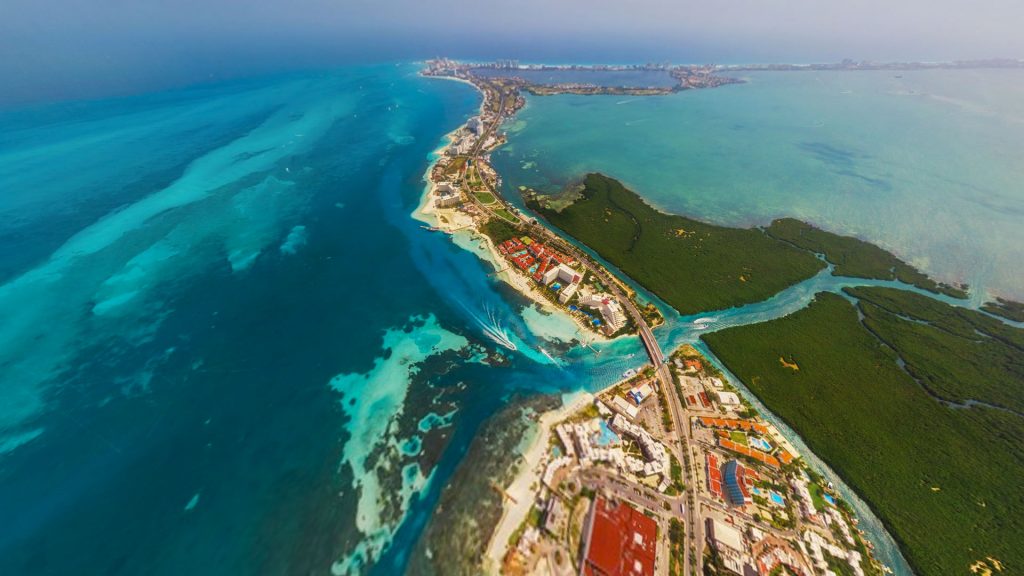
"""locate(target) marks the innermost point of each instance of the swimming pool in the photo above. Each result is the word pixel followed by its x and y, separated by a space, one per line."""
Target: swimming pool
pixel 606 437
pixel 760 444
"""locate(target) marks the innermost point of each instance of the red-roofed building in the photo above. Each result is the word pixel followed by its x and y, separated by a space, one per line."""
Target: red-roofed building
pixel 620 541
pixel 713 474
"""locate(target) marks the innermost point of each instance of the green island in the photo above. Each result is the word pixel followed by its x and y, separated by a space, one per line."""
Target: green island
pixel 693 266
pixel 856 258
pixel 873 398
pixel 1006 308
pixel 917 404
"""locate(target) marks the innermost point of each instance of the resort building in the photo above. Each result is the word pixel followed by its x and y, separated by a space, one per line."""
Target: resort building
pixel 734 480
pixel 713 474
pixel 556 517
pixel 771 553
pixel 561 273
pixel 728 399
pixel 799 486
pixel 446 195
pixel 619 540
pixel 728 541
pixel 640 393
pixel 620 404
pixel 609 308
pixel 815 546
pixel 657 459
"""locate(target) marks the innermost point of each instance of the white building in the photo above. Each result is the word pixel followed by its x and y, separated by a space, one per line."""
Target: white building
pixel 657 458
pixel 620 404
pixel 728 540
pixel 446 195
pixel 567 292
pixel 609 308
pixel 728 399
pixel 561 273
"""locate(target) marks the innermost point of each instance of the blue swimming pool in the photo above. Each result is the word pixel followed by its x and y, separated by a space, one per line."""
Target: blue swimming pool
pixel 760 444
pixel 606 437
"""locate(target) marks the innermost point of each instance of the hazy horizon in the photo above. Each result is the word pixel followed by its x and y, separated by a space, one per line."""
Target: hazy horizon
pixel 75 49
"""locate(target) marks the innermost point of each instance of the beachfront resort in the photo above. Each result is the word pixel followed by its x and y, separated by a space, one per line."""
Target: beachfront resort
pixel 464 197
pixel 670 471
pixel 612 493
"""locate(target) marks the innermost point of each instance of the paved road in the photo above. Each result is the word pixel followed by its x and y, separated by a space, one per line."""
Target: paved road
pixel 694 528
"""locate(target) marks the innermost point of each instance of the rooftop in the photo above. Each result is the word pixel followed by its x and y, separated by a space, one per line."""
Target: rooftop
pixel 621 541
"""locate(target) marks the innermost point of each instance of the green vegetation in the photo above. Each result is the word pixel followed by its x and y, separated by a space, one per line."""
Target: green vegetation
pixel 666 418
pixel 816 496
pixel 499 230
pixel 956 353
pixel 692 265
pixel 455 166
pixel 676 471
pixel 469 507
pixel 854 257
pixel 534 518
pixel 945 481
pixel 506 215
pixel 1006 308
pixel 484 197
pixel 677 546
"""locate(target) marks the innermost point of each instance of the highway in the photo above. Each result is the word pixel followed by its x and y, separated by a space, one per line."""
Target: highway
pixel 682 447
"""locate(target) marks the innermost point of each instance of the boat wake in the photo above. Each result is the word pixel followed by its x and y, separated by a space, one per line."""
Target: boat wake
pixel 493 329
pixel 550 357
pixel 704 323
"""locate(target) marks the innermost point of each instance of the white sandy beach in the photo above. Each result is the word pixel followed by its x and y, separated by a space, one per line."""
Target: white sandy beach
pixel 523 487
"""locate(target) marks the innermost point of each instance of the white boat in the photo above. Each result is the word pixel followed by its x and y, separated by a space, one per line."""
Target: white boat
pixel 701 326
pixel 704 320
pixel 629 373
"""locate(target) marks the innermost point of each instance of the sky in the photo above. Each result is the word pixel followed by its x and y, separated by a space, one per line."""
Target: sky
pixel 70 49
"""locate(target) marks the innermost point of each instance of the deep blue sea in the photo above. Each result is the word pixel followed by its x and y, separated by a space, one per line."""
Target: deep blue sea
pixel 228 347
pixel 218 319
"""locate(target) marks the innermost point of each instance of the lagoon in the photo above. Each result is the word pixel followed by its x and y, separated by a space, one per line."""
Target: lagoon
pixel 924 163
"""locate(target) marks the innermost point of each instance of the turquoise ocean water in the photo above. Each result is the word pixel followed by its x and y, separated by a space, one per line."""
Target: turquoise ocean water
pixel 227 347
pixel 927 164
pixel 219 324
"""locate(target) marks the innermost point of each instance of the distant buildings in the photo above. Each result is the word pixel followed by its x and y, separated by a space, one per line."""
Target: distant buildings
pixel 618 541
